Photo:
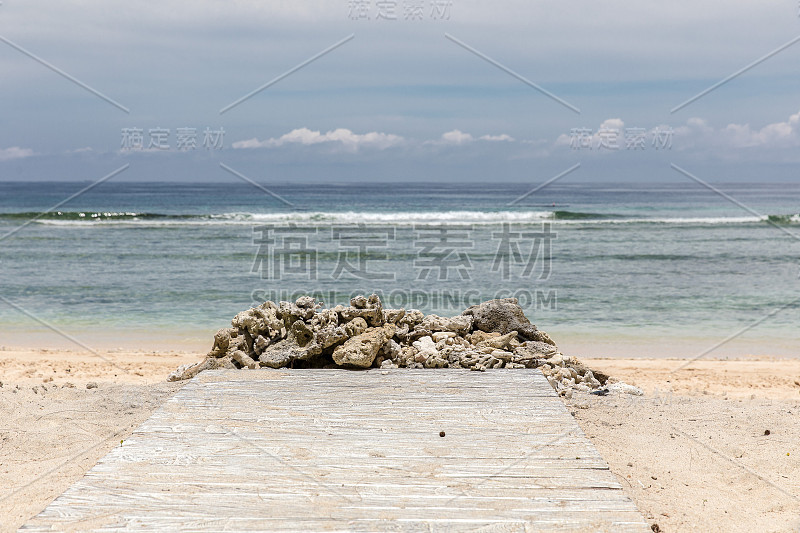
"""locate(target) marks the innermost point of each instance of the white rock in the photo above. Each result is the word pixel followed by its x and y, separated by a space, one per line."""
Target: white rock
pixel 443 335
pixel 624 388
pixel 502 355
pixel 564 374
pixel 425 348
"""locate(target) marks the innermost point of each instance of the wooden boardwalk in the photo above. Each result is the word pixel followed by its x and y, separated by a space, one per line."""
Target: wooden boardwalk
pixel 332 450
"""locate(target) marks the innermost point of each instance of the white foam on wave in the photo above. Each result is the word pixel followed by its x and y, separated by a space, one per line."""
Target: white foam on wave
pixel 407 218
pixel 410 217
pixel 710 221
pixel 315 218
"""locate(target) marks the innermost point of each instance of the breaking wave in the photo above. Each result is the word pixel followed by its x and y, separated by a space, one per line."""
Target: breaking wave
pixel 404 218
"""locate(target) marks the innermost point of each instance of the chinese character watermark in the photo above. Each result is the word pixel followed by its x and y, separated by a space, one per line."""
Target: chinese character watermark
pixel 358 9
pixel 609 138
pixel 439 252
pixel 186 139
pixel 635 138
pixel 580 138
pixel 442 248
pixel 510 251
pixel 414 10
pixel 615 139
pixel 387 9
pixel 363 244
pixel 436 298
pixel 132 139
pixel 159 139
pixel 395 10
pixel 662 139
pixel 440 9
pixel 284 250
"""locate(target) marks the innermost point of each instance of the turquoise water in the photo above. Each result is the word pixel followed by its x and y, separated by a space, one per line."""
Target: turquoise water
pixel 646 260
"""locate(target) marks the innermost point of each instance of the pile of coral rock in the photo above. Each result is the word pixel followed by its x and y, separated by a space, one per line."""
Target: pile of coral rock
pixel 494 334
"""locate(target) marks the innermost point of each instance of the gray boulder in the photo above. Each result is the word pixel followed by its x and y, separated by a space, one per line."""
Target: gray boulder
pixel 504 316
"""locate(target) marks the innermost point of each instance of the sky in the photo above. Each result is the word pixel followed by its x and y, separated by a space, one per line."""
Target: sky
pixel 406 90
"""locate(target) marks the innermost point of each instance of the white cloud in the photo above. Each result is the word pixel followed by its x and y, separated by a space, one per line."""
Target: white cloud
pixel 698 133
pixel 15 152
pixel 252 143
pixel 457 137
pixel 346 138
pixel 700 136
pixel 498 138
pixel 695 125
pixel 613 124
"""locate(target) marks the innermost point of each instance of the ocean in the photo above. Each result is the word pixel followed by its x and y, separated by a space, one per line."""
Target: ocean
pixel 597 264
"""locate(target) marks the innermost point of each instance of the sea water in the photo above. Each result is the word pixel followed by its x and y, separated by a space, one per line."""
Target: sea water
pixel 662 262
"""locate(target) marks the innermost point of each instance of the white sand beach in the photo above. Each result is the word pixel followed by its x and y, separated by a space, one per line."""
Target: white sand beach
pixel 692 452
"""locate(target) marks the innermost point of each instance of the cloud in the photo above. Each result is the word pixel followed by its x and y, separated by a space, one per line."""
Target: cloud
pixel 15 152
pixel 498 138
pixel 613 124
pixel 456 137
pixel 347 139
pixel 695 125
pixel 698 133
pixel 772 142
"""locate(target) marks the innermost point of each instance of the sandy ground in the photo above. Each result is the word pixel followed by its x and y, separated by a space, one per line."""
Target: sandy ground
pixel 50 436
pixel 53 428
pixel 692 453
pixel 52 367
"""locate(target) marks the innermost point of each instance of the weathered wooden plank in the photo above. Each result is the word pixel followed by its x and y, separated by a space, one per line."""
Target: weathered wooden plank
pixel 326 450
